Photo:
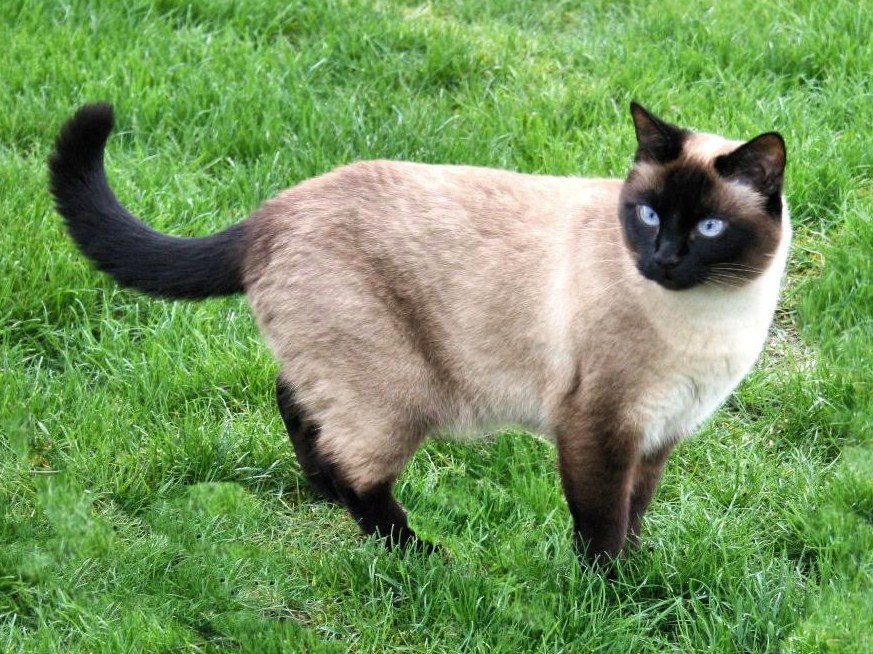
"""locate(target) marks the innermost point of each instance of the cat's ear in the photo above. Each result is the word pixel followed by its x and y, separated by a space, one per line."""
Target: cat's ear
pixel 658 141
pixel 760 163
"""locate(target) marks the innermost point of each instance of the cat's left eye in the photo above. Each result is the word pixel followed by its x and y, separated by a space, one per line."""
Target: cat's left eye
pixel 648 216
pixel 711 227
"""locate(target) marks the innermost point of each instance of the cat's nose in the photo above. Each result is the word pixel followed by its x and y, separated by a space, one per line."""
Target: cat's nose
pixel 667 251
pixel 666 260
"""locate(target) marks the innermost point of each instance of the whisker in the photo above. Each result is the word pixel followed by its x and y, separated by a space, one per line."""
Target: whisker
pixel 610 261
pixel 733 264
pixel 606 288
pixel 725 281
pixel 728 267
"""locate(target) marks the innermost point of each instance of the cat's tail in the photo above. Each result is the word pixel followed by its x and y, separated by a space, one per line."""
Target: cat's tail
pixel 119 243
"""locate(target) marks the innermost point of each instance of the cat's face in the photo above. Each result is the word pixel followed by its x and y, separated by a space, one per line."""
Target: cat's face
pixel 696 209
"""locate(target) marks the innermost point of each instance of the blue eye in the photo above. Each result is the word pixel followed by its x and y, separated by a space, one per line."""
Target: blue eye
pixel 647 215
pixel 711 227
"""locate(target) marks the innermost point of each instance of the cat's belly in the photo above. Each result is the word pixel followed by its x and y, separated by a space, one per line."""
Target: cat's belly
pixel 470 421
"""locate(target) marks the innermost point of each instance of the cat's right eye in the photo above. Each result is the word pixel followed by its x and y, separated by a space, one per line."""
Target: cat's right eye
pixel 647 215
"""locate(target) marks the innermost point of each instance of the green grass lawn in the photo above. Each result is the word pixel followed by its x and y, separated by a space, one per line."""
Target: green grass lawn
pixel 149 498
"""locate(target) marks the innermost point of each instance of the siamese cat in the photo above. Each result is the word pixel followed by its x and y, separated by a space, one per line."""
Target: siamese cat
pixel 405 300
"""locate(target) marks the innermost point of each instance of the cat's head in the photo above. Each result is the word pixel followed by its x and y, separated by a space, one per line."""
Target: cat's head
pixel 698 209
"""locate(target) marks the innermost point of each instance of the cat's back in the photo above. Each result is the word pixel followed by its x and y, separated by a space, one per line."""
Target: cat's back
pixel 386 191
pixel 436 217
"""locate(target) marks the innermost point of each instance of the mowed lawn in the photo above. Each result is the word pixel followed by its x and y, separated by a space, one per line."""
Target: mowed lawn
pixel 149 497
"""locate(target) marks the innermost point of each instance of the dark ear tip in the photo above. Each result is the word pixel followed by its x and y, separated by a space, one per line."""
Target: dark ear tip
pixel 781 140
pixel 774 140
pixel 774 135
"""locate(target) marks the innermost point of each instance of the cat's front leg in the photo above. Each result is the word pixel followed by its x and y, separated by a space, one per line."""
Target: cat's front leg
pixel 646 477
pixel 597 462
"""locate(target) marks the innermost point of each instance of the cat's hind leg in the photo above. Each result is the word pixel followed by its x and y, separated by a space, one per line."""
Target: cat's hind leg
pixel 365 461
pixel 303 433
pixel 377 512
pixel 353 466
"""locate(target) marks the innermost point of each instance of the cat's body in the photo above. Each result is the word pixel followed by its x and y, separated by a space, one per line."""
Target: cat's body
pixel 407 300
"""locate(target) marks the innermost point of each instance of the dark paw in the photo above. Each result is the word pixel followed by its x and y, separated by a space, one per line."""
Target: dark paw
pixel 597 557
pixel 431 549
pixel 405 538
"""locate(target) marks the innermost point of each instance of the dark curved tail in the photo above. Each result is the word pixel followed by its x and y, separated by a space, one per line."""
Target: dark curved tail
pixel 119 243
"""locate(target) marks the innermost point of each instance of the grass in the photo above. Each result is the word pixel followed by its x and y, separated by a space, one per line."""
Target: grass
pixel 149 500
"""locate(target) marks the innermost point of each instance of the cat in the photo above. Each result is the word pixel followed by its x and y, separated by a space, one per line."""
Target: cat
pixel 405 300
